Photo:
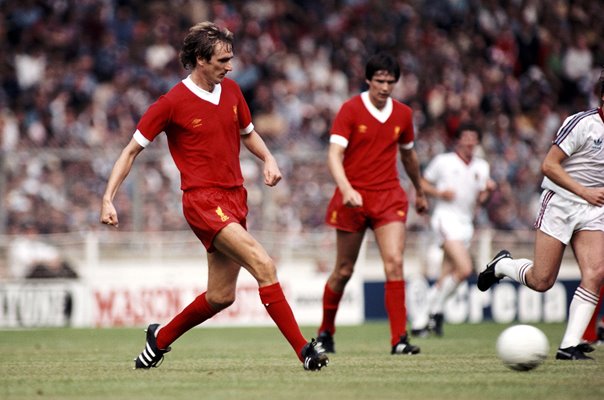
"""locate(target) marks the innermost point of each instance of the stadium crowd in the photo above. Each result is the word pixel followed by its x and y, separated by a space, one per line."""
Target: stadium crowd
pixel 77 75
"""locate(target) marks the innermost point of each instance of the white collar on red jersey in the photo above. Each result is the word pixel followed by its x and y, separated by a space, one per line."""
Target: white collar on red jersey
pixel 212 97
pixel 381 115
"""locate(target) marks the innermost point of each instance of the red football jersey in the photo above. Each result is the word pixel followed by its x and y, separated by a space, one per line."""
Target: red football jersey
pixel 203 130
pixel 370 158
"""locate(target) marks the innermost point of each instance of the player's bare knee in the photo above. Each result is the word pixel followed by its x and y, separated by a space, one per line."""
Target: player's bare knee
pixel 393 271
pixel 343 277
pixel 220 301
pixel 463 274
pixel 393 262
pixel 543 285
pixel 265 269
pixel 343 272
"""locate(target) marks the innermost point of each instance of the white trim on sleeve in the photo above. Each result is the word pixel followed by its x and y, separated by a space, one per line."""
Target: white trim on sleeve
pixel 247 130
pixel 407 146
pixel 337 139
pixel 140 139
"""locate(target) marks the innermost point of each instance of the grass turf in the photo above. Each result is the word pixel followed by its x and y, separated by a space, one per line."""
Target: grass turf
pixel 257 363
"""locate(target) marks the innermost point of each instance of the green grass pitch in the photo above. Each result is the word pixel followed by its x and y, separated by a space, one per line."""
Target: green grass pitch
pixel 257 363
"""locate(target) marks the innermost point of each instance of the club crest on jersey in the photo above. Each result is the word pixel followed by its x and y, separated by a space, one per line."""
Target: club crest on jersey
pixel 235 113
pixel 362 128
pixel 597 144
pixel 196 122
pixel 334 217
pixel 397 131
pixel 221 214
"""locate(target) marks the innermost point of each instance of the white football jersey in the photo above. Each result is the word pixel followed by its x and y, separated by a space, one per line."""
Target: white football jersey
pixel 581 138
pixel 449 172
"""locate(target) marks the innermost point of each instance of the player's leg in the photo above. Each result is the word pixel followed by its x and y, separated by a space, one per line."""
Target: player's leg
pixel 222 281
pixel 437 296
pixel 554 231
pixel 542 274
pixel 422 322
pixel 348 245
pixel 241 247
pixel 459 263
pixel 539 275
pixel 454 237
pixel 589 252
pixel 390 239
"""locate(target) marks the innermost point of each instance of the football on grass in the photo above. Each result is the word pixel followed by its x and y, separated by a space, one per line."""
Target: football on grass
pixel 522 347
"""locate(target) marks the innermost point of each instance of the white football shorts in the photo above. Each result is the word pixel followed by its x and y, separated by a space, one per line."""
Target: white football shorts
pixel 451 227
pixel 561 218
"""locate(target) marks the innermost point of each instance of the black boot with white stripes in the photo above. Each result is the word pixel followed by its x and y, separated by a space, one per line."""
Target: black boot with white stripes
pixel 151 356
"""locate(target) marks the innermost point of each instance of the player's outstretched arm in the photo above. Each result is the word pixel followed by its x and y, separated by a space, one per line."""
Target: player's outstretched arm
pixel 120 171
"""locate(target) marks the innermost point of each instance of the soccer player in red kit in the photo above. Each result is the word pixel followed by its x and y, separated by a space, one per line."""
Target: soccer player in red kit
pixel 206 118
pixel 366 135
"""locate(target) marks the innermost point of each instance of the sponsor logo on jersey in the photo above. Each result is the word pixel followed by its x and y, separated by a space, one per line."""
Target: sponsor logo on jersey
pixel 400 213
pixel 362 128
pixel 221 214
pixel 235 114
pixel 397 131
pixel 196 123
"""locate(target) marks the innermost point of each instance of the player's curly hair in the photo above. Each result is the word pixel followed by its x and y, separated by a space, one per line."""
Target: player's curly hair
pixel 468 126
pixel 382 62
pixel 200 42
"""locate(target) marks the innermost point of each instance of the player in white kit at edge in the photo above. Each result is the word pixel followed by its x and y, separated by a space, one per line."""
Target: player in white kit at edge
pixel 572 212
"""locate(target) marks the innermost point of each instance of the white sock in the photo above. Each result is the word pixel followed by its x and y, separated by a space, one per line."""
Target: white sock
pixel 579 314
pixel 442 293
pixel 422 317
pixel 515 269
pixel 419 311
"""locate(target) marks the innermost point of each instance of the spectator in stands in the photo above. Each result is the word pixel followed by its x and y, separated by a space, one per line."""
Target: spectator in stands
pixel 85 68
pixel 29 256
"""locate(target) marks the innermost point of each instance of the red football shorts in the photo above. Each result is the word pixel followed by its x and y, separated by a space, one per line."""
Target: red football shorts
pixel 209 210
pixel 379 208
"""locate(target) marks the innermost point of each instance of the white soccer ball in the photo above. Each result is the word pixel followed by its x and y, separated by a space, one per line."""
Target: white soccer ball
pixel 522 347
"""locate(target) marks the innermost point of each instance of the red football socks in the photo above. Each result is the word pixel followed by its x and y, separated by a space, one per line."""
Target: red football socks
pixel 394 301
pixel 279 310
pixel 193 314
pixel 331 302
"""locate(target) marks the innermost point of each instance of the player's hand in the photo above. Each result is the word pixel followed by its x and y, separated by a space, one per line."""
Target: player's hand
pixel 421 203
pixel 491 185
pixel 352 198
pixel 272 174
pixel 108 214
pixel 594 196
pixel 447 195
